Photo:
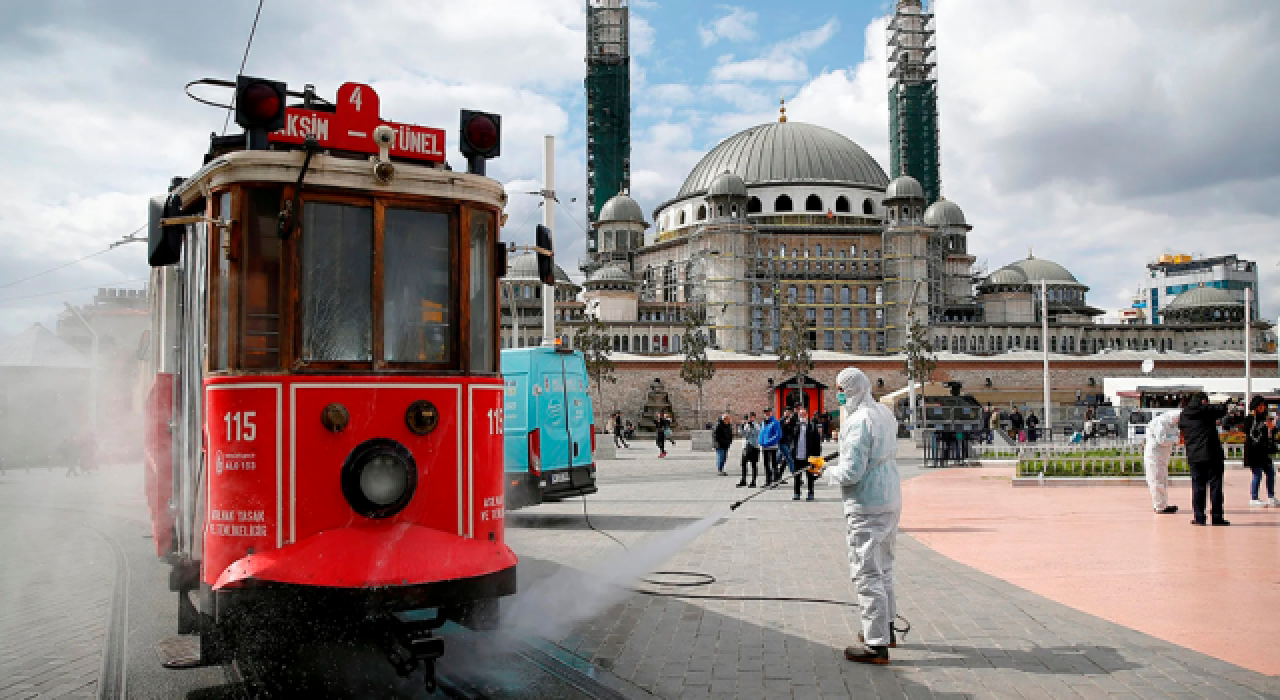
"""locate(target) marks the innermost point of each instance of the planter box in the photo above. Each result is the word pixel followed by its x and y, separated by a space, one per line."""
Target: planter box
pixel 1088 481
pixel 701 441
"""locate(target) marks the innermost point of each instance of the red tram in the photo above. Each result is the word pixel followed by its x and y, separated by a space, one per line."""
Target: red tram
pixel 325 419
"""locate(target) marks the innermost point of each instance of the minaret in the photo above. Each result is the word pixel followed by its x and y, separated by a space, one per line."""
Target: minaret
pixel 608 105
pixel 913 98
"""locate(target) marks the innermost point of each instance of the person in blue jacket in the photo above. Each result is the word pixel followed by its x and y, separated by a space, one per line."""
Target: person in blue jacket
pixel 770 435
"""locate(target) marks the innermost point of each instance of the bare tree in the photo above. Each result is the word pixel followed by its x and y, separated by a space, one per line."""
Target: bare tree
pixel 921 363
pixel 697 369
pixel 592 340
pixel 794 349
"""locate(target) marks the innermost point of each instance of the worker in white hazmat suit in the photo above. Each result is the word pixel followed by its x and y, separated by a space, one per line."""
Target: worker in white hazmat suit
pixel 1162 437
pixel 867 475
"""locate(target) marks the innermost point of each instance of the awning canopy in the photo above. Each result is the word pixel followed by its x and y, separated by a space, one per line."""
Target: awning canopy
pixel 809 383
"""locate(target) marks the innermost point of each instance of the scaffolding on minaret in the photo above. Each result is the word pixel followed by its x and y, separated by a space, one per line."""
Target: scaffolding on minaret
pixel 913 97
pixel 608 105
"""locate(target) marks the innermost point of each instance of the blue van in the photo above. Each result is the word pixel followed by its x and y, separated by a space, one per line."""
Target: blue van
pixel 547 426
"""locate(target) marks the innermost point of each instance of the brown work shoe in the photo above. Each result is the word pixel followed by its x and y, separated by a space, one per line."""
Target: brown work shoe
pixel 863 654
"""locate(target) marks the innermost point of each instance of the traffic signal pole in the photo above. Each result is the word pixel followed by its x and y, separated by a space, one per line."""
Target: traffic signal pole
pixel 548 220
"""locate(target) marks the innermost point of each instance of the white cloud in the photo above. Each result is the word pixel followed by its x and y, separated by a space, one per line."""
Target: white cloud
pixel 672 92
pixel 737 25
pixel 642 36
pixel 782 62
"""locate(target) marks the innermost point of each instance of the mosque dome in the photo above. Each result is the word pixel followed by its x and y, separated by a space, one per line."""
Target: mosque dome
pixel 1007 276
pixel 786 153
pixel 1202 297
pixel 621 207
pixel 609 275
pixel 525 267
pixel 944 212
pixel 727 185
pixel 904 187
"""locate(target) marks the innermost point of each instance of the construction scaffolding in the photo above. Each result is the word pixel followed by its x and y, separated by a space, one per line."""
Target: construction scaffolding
pixel 913 97
pixel 608 86
pixel 743 272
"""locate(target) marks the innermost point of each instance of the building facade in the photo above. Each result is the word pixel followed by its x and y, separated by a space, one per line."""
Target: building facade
pixel 608 87
pixel 1173 275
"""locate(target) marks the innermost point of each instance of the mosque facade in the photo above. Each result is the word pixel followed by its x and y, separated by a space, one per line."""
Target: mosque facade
pixel 788 214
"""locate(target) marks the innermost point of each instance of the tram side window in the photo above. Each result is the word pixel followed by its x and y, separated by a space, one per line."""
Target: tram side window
pixel 416 299
pixel 337 281
pixel 260 297
pixel 482 359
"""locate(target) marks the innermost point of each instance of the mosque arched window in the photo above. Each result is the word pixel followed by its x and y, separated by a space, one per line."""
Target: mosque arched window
pixel 868 206
pixel 702 212
pixel 842 205
pixel 782 203
pixel 733 211
pixel 753 206
pixel 813 203
pixel 719 210
pixel 844 295
pixel 680 220
pixel 853 251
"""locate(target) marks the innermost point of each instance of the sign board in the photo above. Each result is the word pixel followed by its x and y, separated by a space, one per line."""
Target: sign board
pixel 351 127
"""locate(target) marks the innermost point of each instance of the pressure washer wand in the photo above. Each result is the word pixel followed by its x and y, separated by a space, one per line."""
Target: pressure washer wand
pixel 774 485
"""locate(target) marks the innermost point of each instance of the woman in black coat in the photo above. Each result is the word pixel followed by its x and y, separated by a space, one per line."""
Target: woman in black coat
pixel 723 437
pixel 1259 434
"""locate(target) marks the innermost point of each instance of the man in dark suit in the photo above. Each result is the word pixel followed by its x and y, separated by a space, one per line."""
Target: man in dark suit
pixel 1199 425
pixel 808 443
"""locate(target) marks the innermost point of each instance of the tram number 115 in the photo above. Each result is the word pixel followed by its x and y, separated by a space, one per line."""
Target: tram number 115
pixel 495 421
pixel 240 427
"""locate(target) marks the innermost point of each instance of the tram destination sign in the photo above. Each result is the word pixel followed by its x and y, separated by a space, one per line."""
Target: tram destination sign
pixel 351 127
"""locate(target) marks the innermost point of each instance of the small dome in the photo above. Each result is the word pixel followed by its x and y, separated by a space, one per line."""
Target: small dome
pixel 944 213
pixel 1037 269
pixel 610 274
pixel 1202 297
pixel 621 207
pixel 905 187
pixel 525 267
pixel 1006 276
pixel 727 185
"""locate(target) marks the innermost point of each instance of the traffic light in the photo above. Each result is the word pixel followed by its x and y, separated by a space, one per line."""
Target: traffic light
pixel 546 260
pixel 260 106
pixel 481 139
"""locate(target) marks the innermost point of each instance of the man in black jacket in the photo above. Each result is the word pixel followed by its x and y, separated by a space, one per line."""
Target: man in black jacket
pixel 808 443
pixel 723 437
pixel 1199 425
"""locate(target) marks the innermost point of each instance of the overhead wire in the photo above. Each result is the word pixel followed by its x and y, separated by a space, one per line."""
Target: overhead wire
pixel 55 268
pixel 243 60
pixel 73 289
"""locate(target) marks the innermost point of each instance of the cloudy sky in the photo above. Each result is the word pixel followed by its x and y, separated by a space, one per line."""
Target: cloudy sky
pixel 1102 133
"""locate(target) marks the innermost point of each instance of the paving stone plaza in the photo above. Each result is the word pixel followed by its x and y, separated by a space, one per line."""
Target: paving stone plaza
pixel 972 635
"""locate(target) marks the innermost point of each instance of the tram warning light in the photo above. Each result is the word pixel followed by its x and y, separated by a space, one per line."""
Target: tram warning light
pixel 260 108
pixel 481 139
pixel 546 255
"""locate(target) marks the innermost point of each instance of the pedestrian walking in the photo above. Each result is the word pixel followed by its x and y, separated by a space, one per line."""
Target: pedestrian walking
pixel 808 443
pixel 664 428
pixel 750 431
pixel 993 424
pixel 1033 426
pixel 867 475
pixel 1199 424
pixel 619 435
pixel 770 436
pixel 787 443
pixel 1259 441
pixel 723 438
pixel 1162 437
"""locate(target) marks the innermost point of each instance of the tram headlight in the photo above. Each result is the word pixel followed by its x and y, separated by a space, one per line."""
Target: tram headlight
pixel 421 417
pixel 379 478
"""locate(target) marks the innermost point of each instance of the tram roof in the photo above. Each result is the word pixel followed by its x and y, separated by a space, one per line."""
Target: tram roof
pixel 340 173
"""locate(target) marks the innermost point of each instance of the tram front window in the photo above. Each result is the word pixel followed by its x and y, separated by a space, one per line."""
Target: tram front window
pixel 416 303
pixel 337 281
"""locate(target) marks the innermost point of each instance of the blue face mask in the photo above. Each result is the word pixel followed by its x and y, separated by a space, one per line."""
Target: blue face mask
pixel 840 397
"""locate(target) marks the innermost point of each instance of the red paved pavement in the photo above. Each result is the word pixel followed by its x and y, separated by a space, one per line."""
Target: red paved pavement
pixel 1101 550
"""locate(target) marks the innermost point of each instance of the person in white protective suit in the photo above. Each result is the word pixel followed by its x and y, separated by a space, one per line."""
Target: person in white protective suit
pixel 1162 437
pixel 867 475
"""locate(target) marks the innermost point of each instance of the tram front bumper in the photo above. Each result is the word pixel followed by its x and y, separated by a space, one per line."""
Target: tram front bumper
pixel 372 556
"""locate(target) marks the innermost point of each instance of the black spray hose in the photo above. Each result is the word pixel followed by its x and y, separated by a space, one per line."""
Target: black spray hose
pixel 774 485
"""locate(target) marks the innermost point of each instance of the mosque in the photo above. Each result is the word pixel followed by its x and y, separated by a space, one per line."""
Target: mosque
pixel 793 214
